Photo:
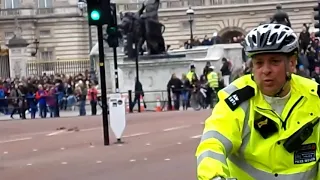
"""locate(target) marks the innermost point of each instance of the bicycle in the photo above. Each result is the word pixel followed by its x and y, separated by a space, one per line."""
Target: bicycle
pixel 198 98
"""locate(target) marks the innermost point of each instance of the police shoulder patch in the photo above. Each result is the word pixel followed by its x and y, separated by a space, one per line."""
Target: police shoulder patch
pixel 239 96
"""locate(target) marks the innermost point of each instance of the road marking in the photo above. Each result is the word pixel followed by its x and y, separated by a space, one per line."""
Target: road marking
pixel 137 134
pixel 90 129
pixel 98 162
pixel 132 160
pixel 29 164
pixel 196 136
pixel 176 128
pixel 167 159
pixel 15 140
pixel 62 148
pixel 179 143
pixel 35 150
pixel 145 159
pixel 56 133
pixel 64 163
pixel 148 144
pixel 202 123
pixel 92 146
pixel 6 152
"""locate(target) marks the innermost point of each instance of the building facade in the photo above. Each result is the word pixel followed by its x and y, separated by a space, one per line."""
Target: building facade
pixel 62 29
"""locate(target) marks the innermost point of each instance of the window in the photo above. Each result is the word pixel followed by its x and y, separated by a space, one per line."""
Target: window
pixel 45 33
pixel 11 4
pixel 8 34
pixel 44 3
pixel 46 56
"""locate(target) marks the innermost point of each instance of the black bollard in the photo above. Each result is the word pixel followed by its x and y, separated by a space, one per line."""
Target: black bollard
pixel 169 100
pixel 130 101
pixel 23 107
pixel 57 109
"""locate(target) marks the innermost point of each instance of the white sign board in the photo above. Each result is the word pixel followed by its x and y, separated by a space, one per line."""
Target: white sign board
pixel 117 112
pixel 18 62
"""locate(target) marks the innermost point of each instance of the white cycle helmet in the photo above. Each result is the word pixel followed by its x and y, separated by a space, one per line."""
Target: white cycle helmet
pixel 272 38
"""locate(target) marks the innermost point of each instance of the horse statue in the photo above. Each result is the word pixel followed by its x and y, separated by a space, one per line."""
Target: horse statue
pixel 139 28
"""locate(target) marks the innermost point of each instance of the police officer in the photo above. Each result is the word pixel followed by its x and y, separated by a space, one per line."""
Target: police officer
pixel 191 73
pixel 213 84
pixel 265 126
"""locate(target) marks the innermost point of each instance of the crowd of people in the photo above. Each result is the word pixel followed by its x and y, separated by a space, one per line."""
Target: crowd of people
pixel 215 39
pixel 47 95
pixel 212 79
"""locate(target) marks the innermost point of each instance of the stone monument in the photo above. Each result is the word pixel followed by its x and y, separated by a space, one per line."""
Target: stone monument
pixel 17 53
pixel 143 27
pixel 280 17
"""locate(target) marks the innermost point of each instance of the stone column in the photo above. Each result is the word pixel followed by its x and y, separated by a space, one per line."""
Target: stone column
pixel 17 57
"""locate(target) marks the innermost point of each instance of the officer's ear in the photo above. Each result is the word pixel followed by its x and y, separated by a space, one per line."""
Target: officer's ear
pixel 293 59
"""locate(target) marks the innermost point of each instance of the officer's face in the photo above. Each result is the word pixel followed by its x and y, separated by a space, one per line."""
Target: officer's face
pixel 269 71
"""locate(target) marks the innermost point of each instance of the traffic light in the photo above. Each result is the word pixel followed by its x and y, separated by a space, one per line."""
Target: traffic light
pixel 113 33
pixel 98 12
pixel 317 18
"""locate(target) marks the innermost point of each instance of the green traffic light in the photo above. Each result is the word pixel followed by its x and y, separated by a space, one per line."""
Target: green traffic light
pixel 95 15
pixel 112 29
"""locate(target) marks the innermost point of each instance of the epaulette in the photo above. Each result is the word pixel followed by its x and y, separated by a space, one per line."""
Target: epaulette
pixel 239 96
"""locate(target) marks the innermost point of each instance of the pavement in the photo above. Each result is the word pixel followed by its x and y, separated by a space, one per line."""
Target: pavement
pixel 68 113
pixel 157 146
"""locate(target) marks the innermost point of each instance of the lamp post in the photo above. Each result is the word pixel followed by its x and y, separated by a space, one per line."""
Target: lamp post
pixel 35 42
pixel 190 14
pixel 82 5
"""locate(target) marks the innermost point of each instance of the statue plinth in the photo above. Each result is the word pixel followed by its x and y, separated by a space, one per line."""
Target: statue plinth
pixel 18 57
pixel 156 57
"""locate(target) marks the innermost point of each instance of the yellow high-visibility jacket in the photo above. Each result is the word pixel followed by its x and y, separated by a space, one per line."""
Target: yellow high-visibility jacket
pixel 232 147
pixel 213 79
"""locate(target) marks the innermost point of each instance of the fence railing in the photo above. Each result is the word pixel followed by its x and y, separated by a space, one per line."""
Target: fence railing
pixel 58 66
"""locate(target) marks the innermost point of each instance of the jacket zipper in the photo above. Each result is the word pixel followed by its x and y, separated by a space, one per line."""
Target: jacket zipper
pixel 272 112
pixel 284 123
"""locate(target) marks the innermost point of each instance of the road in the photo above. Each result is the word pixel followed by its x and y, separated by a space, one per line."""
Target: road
pixel 157 146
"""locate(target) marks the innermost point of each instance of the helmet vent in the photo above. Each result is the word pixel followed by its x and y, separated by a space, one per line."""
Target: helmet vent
pixel 254 39
pixel 273 39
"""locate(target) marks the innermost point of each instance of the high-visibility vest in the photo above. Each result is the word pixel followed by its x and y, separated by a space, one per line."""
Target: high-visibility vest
pixel 189 76
pixel 213 79
pixel 231 147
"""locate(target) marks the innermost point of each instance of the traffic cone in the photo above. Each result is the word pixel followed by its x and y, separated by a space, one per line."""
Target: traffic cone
pixel 158 105
pixel 141 104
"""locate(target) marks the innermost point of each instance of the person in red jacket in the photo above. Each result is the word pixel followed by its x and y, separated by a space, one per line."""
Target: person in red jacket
pixel 93 98
pixel 41 96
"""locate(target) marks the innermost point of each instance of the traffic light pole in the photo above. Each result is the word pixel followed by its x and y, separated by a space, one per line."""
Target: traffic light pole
pixel 103 87
pixel 137 72
pixel 116 78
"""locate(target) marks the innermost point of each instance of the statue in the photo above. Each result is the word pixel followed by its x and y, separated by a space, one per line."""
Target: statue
pixel 140 27
pixel 18 30
pixel 280 17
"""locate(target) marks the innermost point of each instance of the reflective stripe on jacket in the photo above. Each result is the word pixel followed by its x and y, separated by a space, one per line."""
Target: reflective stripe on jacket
pixel 231 147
